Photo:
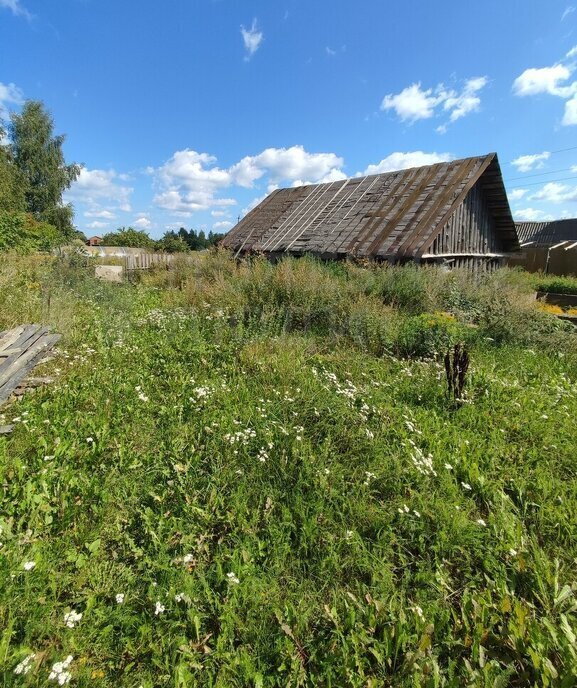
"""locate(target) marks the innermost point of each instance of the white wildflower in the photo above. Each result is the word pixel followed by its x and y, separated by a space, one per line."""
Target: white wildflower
pixel 158 608
pixel 119 598
pixel 448 466
pixel 349 534
pixel 29 565
pixel 368 477
pixel 25 665
pixel 232 578
pixel 481 522
pixel 418 611
pixel 60 671
pixel 143 397
pixel 423 464
pixel 466 486
pixel 71 618
pixel 513 552
pixel 187 558
pixel 90 440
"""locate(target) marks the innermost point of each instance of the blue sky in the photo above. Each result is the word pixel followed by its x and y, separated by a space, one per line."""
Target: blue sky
pixel 187 112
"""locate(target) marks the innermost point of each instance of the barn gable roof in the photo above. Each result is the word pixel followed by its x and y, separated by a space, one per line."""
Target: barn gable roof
pixel 547 234
pixel 396 214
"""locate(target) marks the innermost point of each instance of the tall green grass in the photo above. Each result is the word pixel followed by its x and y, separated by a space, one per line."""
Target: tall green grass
pixel 247 475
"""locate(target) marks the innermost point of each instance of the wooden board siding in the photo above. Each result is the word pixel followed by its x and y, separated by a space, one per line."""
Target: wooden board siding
pixel 470 229
pixel 394 216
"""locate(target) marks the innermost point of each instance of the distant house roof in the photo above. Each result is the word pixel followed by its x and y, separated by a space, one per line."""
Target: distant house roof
pixel 546 234
pixel 392 215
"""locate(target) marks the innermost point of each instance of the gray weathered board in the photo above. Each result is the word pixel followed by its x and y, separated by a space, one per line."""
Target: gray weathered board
pixel 21 349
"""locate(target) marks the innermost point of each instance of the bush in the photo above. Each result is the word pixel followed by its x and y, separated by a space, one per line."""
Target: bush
pixel 411 288
pixel 429 335
pixel 20 232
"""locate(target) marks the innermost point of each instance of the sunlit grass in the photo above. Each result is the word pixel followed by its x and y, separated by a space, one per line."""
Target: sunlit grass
pixel 237 480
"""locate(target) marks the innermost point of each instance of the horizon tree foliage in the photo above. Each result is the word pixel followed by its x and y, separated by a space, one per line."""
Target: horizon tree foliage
pixel 129 237
pixel 37 154
pixel 171 242
pixel 197 241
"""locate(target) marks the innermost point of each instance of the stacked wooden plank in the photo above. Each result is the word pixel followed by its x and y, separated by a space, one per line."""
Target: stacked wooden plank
pixel 21 349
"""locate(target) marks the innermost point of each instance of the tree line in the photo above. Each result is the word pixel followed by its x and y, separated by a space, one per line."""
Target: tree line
pixel 172 242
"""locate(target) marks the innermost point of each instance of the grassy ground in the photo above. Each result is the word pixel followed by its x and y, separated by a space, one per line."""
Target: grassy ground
pixel 252 476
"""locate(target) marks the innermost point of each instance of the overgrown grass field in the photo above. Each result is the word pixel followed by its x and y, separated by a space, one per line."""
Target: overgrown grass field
pixel 252 475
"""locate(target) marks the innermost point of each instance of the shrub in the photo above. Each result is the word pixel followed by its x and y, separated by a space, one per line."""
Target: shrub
pixel 20 232
pixel 429 334
pixel 411 288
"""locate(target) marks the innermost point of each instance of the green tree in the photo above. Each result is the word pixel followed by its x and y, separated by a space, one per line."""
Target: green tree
pixel 11 188
pixel 38 155
pixel 172 242
pixel 128 236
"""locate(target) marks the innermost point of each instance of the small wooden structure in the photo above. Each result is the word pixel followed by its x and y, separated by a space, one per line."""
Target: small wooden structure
pixel 550 247
pixel 21 349
pixel 452 213
pixel 94 241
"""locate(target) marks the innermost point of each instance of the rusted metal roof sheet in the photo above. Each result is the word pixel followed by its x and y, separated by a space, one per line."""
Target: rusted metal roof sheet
pixel 547 234
pixel 392 215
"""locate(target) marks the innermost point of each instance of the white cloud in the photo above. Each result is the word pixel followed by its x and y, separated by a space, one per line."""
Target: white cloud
pixel 288 165
pixel 414 103
pixel 219 213
pixel 531 215
pixel 553 192
pixel 517 194
pixel 100 187
pixel 403 161
pixel 330 52
pixel 224 224
pixel 10 94
pixel 554 81
pixel 142 222
pixel 252 38
pixel 461 104
pixel 549 80
pixel 569 10
pixel 526 163
pixel 97 224
pixel 105 214
pixel 190 181
pixel 16 8
pixel 570 115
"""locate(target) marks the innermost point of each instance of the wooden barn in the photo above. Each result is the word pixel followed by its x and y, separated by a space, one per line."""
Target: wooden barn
pixel 454 213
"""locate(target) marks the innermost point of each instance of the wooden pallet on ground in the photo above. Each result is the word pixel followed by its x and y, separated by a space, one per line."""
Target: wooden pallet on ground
pixel 21 350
